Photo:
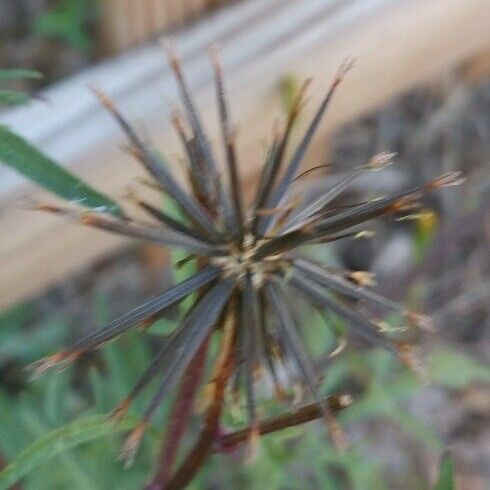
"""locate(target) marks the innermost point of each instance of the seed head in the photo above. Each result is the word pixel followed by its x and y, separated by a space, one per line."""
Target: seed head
pixel 250 264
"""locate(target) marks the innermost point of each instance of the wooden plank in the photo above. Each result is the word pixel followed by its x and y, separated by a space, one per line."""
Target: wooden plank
pixel 126 23
pixel 397 44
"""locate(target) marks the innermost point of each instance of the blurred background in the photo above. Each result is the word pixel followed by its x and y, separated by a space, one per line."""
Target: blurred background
pixel 420 87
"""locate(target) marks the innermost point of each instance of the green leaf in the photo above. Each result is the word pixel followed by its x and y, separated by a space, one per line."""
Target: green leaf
pixel 446 473
pixel 23 157
pixel 41 341
pixel 18 74
pixel 12 97
pixel 456 370
pixel 414 427
pixel 68 21
pixel 288 89
pixel 57 442
pixel 14 317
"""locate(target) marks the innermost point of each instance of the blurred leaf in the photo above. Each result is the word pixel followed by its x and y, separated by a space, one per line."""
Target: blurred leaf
pixel 57 442
pixel 414 427
pixel 68 21
pixel 18 74
pixel 41 341
pixel 12 97
pixel 163 327
pixel 23 157
pixel 13 317
pixel 446 474
pixel 14 327
pixel 456 370
pixel 289 88
pixel 57 386
pixel 425 231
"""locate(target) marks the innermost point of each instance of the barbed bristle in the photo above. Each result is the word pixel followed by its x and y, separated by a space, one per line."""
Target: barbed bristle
pixel 447 180
pixel 132 444
pixel 121 410
pixel 381 160
pixel 61 360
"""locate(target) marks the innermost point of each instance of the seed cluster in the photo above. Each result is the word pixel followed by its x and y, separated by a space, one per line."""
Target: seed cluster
pixel 250 263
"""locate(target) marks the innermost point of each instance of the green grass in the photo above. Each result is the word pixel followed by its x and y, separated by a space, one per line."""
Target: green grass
pixel 56 436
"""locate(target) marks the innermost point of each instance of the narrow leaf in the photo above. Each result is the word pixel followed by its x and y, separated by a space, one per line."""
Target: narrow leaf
pixel 446 473
pixel 12 97
pixel 456 370
pixel 26 159
pixel 19 74
pixel 57 442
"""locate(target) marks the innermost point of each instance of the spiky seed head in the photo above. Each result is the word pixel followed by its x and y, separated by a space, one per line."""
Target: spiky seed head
pixel 250 265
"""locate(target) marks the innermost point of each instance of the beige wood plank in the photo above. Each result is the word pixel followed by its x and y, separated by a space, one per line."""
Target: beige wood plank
pixel 126 23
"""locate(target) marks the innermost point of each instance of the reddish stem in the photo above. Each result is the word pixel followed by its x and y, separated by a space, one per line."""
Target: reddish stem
pixel 203 447
pixel 296 417
pixel 181 412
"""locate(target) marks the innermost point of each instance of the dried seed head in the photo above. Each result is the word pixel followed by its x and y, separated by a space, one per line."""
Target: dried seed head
pixel 250 267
